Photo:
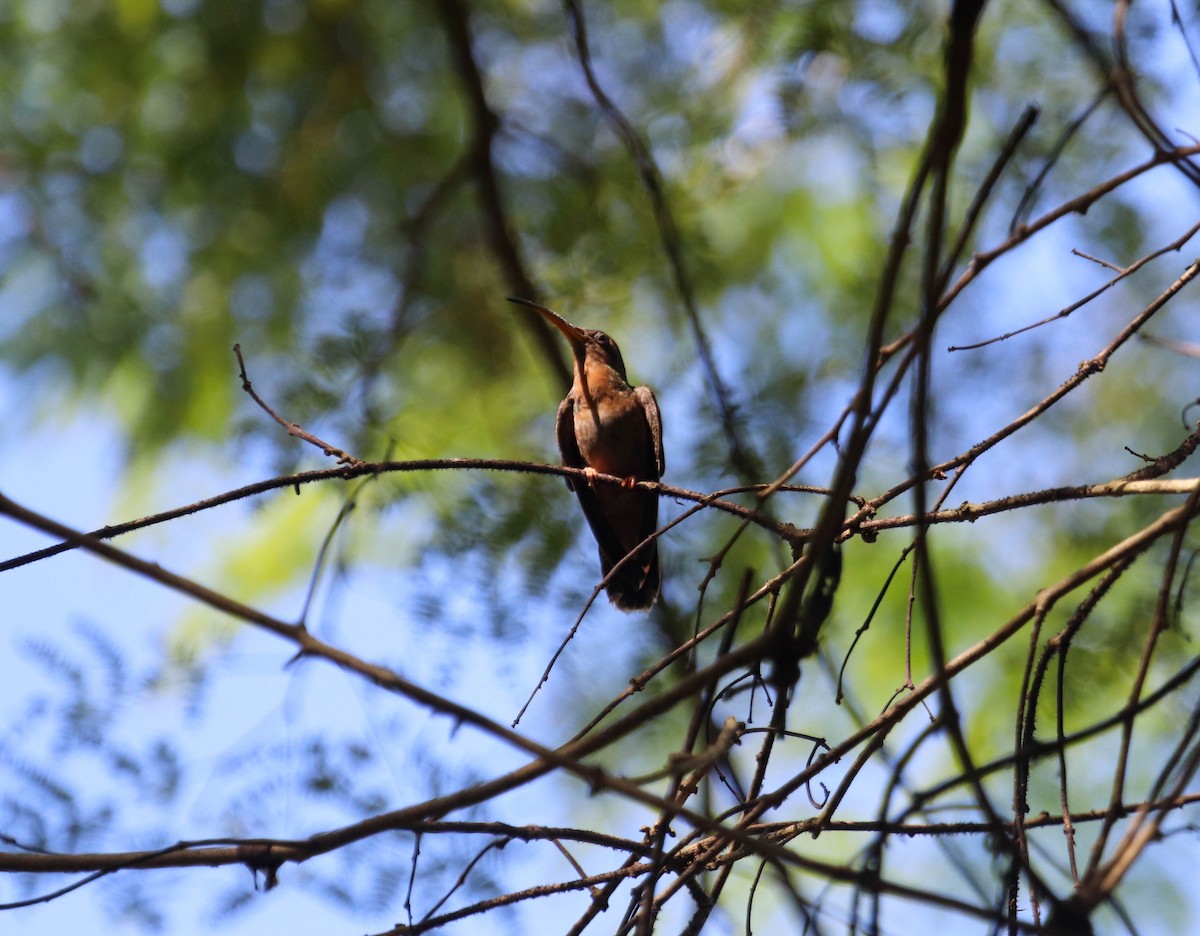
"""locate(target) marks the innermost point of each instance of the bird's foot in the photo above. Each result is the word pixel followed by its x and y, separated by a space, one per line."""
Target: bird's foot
pixel 591 474
pixel 629 483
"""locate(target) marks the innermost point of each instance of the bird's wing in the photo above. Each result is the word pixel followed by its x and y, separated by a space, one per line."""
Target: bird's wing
pixel 619 518
pixel 609 537
pixel 568 447
pixel 645 396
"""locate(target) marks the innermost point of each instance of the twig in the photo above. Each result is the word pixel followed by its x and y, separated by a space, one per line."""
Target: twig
pixel 293 429
pixel 1122 273
pixel 1025 205
pixel 1085 370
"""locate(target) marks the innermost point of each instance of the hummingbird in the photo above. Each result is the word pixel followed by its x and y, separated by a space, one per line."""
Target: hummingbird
pixel 605 426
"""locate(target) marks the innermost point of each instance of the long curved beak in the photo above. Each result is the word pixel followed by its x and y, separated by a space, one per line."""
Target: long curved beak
pixel 572 333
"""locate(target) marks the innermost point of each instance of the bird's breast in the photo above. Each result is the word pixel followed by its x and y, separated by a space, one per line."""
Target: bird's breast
pixel 613 436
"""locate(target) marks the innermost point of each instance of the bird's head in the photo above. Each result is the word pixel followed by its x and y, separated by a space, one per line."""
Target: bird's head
pixel 590 347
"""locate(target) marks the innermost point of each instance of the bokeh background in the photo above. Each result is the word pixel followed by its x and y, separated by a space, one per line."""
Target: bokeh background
pixel 349 190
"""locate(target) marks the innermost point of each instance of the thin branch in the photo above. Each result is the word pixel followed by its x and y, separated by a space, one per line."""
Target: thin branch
pixel 1078 205
pixel 715 500
pixel 1122 273
pixel 1025 205
pixel 293 429
pixel 743 457
pixel 485 124
pixel 1085 370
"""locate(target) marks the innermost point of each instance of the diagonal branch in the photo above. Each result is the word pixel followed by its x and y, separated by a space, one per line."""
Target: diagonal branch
pixel 455 15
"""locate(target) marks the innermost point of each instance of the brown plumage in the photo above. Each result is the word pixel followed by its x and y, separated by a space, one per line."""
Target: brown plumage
pixel 611 428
